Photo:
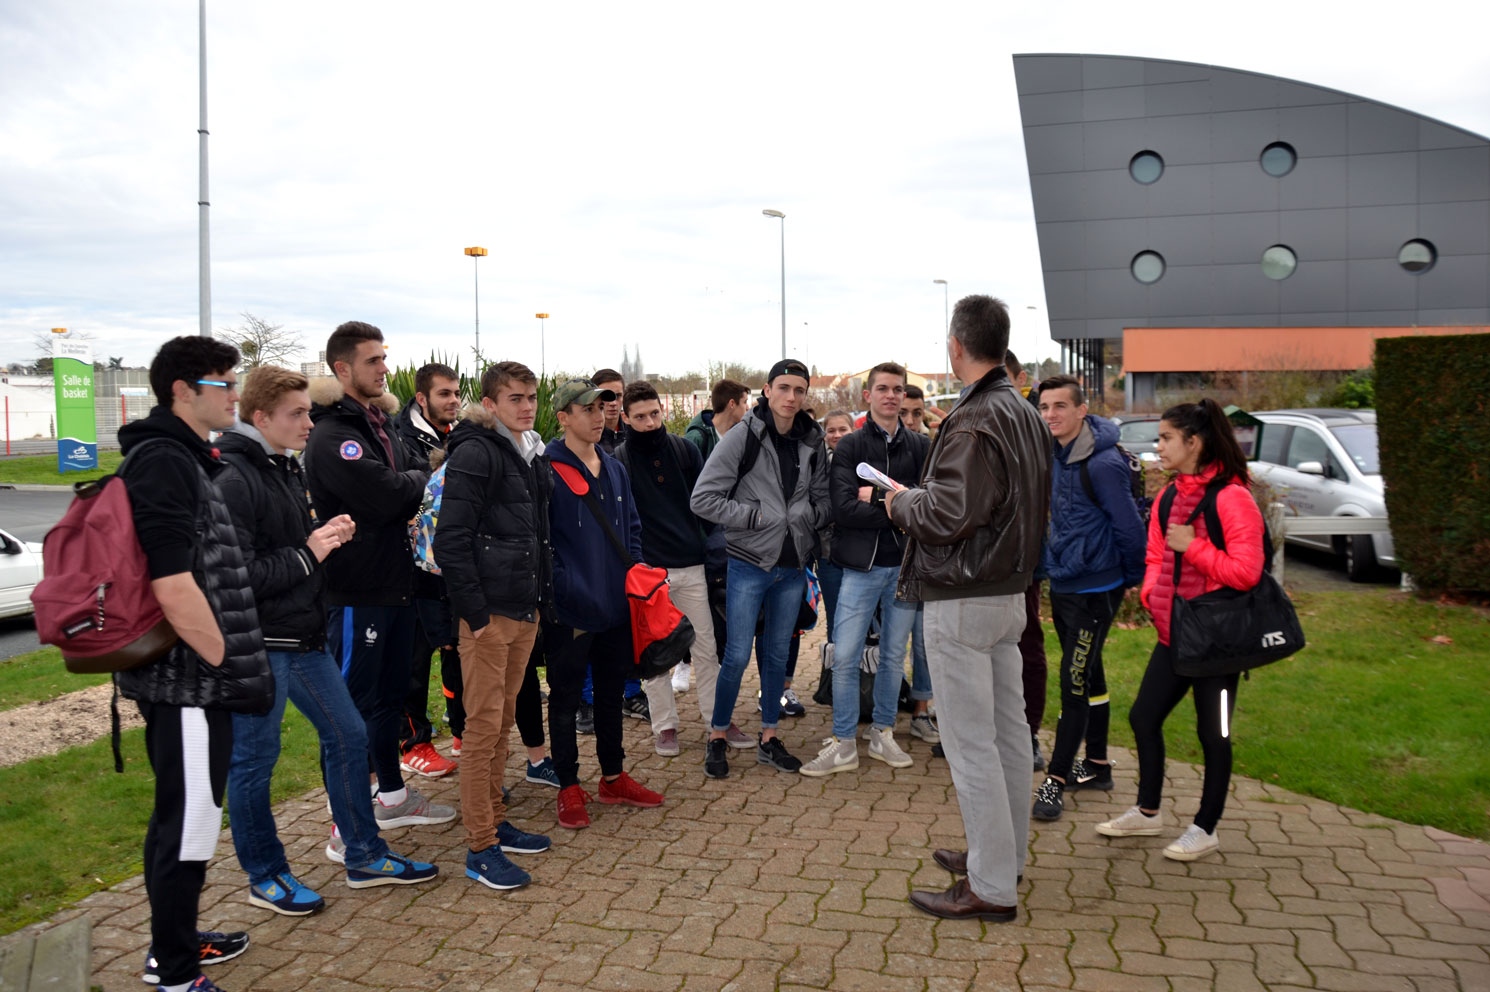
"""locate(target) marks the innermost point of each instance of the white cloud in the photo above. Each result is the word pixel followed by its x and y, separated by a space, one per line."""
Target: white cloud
pixel 614 159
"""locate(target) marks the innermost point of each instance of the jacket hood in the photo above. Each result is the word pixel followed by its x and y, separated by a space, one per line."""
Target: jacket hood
pixel 1097 434
pixel 475 418
pixel 804 428
pixel 163 423
pixel 243 439
pixel 413 416
pixel 327 392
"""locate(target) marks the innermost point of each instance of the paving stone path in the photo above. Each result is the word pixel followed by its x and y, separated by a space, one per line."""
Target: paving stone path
pixel 774 881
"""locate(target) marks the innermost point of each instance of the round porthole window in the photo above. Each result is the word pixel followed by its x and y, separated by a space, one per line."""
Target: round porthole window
pixel 1146 167
pixel 1278 159
pixel 1417 256
pixel 1147 267
pixel 1279 261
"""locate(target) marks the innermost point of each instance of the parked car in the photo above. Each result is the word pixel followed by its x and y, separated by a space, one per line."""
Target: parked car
pixel 1140 435
pixel 20 570
pixel 1324 463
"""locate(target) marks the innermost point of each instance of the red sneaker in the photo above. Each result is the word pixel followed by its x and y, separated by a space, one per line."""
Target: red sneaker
pixel 625 790
pixel 423 759
pixel 572 812
pixel 455 747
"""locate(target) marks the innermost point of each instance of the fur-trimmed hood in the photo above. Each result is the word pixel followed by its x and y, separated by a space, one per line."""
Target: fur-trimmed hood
pixel 328 391
pixel 475 416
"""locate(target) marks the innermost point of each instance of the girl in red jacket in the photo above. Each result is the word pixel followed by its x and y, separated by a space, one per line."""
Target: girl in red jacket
pixel 1197 443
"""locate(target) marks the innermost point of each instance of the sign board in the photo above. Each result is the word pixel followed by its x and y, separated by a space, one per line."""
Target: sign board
pixel 77 430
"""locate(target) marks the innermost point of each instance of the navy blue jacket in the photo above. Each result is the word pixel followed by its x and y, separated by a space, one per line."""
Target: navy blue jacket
pixel 1092 545
pixel 589 577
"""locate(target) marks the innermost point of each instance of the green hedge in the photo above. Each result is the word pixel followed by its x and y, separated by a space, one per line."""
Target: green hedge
pixel 1433 415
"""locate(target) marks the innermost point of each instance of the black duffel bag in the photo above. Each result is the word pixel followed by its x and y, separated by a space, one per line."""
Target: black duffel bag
pixel 1227 631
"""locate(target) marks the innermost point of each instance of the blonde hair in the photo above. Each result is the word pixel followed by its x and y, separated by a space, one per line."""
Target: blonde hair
pixel 264 387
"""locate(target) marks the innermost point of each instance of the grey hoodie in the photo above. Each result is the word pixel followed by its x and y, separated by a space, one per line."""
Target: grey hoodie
pixel 755 521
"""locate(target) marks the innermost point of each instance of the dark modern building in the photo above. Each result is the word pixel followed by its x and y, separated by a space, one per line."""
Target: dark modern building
pixel 1246 208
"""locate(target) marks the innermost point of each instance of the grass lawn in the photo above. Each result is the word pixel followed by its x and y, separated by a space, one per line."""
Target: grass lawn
pixel 1385 711
pixel 42 469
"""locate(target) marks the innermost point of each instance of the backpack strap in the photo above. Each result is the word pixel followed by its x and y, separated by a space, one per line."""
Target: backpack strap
pixel 581 488
pixel 1086 481
pixel 747 457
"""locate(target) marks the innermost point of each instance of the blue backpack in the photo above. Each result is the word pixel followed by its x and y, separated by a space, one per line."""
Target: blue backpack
pixel 422 527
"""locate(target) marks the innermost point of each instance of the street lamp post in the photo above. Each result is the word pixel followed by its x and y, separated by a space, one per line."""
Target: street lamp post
pixel 476 254
pixel 204 204
pixel 542 344
pixel 781 217
pixel 946 329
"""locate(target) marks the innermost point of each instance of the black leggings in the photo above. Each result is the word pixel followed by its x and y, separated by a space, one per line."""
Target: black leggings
pixel 1082 620
pixel 530 699
pixel 1160 692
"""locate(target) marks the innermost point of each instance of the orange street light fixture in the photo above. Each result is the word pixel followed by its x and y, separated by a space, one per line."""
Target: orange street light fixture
pixel 542 344
pixel 476 252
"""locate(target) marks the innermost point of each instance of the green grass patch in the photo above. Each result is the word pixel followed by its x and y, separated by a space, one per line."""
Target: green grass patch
pixel 1374 714
pixel 39 675
pixel 102 815
pixel 42 469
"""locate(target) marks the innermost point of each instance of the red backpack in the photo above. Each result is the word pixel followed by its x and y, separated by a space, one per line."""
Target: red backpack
pixel 95 601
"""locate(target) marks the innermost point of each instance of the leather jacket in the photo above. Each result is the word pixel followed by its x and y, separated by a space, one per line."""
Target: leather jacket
pixel 977 520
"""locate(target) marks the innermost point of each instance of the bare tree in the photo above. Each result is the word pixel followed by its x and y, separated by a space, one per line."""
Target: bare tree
pixel 260 342
pixel 43 341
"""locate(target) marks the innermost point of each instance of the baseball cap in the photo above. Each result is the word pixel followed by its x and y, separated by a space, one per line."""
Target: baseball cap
pixel 788 366
pixel 581 391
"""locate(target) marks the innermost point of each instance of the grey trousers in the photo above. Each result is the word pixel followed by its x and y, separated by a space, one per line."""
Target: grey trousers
pixel 972 646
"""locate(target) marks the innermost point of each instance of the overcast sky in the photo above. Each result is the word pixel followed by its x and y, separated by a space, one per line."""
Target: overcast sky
pixel 613 158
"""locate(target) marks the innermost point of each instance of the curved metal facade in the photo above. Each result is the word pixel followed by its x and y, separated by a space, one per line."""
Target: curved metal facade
pixel 1367 179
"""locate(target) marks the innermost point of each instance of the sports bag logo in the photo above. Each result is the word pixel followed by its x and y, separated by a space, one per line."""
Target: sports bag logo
pixel 1274 639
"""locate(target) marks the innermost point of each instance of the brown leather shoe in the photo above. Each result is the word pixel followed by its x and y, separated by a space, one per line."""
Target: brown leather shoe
pixel 959 903
pixel 953 861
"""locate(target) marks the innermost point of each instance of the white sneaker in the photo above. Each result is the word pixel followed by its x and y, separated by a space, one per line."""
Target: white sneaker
pixel 680 676
pixel 882 746
pixel 1194 843
pixel 1132 824
pixel 836 756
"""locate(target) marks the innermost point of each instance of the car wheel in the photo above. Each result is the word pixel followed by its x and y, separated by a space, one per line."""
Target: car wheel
pixel 1360 558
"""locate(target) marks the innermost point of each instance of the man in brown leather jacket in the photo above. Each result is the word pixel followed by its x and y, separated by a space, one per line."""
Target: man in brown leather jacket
pixel 975 527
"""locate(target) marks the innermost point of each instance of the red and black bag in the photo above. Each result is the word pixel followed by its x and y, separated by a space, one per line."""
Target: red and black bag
pixel 661 636
pixel 95 601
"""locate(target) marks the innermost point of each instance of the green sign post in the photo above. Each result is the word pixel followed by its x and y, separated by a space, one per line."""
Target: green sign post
pixel 77 428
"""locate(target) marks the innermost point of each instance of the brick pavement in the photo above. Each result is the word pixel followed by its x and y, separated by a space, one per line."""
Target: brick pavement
pixel 774 881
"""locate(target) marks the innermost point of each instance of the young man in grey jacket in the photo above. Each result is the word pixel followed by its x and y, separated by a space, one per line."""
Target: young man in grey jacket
pixel 767 485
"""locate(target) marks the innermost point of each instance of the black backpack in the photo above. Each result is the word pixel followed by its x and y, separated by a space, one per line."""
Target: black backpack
pixel 1136 484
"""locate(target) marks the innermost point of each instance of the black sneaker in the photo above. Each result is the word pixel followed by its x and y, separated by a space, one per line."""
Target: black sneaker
pixel 1048 805
pixel 584 720
pixel 215 948
pixel 1039 758
pixel 937 751
pixel 636 707
pixel 716 759
pixel 775 754
pixel 1090 776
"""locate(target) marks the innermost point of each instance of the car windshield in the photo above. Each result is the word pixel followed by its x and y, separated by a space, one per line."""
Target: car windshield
pixel 1139 430
pixel 1359 442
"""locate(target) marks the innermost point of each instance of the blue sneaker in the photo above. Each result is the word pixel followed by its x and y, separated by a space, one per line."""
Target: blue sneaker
pixel 492 869
pixel 390 869
pixel 515 841
pixel 285 895
pixel 542 773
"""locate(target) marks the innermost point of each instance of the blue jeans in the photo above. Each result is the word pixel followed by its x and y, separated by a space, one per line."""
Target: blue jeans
pixel 920 671
pixel 779 590
pixel 860 593
pixel 313 683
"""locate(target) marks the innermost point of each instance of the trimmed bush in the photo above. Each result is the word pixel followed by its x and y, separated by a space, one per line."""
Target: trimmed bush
pixel 1433 417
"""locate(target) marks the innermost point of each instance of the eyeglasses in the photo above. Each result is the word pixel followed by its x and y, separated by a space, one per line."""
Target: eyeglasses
pixel 219 383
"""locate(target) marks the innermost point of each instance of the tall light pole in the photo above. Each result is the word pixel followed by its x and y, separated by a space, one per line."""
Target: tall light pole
pixel 946 329
pixel 781 217
pixel 204 252
pixel 542 344
pixel 477 253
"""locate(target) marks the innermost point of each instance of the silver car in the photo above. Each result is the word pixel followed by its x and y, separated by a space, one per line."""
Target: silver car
pixel 1323 463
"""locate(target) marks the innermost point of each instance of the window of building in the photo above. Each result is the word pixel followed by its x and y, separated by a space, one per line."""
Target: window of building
pixel 1146 167
pixel 1278 159
pixel 1147 267
pixel 1417 255
pixel 1279 261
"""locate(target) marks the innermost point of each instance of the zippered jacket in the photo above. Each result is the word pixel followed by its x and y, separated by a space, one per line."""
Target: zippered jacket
pixel 861 531
pixel 1092 545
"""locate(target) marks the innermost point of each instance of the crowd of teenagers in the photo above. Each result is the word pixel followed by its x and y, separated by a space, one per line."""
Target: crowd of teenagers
pixel 313 542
